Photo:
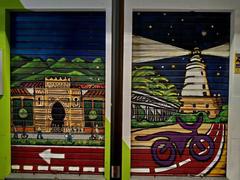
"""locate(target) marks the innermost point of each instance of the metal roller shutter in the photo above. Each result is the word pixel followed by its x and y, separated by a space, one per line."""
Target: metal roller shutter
pixel 179 100
pixel 58 92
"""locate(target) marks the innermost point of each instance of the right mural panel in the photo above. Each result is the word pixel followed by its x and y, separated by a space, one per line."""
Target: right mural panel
pixel 179 103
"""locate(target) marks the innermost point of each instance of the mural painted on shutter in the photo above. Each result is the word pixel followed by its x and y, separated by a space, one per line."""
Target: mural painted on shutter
pixel 179 103
pixel 58 92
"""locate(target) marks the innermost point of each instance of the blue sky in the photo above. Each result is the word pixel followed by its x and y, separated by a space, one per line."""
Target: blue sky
pixel 58 35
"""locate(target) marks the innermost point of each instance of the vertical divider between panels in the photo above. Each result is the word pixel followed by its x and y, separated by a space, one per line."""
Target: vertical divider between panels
pixel 117 87
pixel 127 78
pixel 107 159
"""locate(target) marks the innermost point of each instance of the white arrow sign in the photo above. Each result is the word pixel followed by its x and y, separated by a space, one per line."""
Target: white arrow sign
pixel 47 155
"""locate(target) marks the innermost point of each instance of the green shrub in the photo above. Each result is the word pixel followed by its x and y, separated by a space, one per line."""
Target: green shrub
pixel 58 142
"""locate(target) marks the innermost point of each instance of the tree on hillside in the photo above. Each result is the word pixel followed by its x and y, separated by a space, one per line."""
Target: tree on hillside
pixel 98 60
pixel 50 60
pixel 19 58
pixel 36 60
pixel 145 79
pixel 78 60
pixel 63 59
pixel 141 78
pixel 223 115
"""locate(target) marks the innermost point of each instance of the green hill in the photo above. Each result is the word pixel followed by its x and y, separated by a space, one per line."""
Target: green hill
pixel 78 69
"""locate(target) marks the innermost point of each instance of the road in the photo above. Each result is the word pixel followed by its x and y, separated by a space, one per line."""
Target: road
pixel 143 164
pixel 57 159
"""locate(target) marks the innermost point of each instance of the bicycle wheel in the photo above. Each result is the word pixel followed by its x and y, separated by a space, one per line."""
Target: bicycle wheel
pixel 163 152
pixel 201 148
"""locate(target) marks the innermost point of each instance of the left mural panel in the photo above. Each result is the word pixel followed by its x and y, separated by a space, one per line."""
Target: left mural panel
pixel 58 92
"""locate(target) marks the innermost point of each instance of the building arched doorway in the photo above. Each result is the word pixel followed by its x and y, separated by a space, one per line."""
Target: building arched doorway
pixel 58 115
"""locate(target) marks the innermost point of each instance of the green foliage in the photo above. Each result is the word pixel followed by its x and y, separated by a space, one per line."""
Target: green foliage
pixel 146 79
pixel 36 60
pixel 35 64
pixel 60 142
pixel 63 59
pixel 37 69
pixel 75 73
pixel 48 72
pixel 78 60
pixel 98 60
pixel 147 124
pixel 186 118
pixel 50 60
pixel 223 115
pixel 18 58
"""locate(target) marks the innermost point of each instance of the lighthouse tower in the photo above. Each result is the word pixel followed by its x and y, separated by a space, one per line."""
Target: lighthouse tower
pixel 195 95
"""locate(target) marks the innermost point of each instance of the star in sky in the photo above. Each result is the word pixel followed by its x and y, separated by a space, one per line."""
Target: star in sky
pixel 187 29
pixel 204 33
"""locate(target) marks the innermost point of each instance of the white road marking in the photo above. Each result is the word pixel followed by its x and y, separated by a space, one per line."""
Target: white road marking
pixel 100 169
pixel 165 168
pixel 217 157
pixel 162 169
pixel 73 168
pixel 57 168
pixel 203 151
pixel 28 168
pixel 140 170
pixel 210 130
pixel 88 169
pixel 42 168
pixel 15 167
pixel 47 155
pixel 214 139
pixel 184 162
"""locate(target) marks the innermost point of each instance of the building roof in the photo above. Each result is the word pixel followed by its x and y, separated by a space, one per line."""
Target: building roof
pixel 95 93
pixel 36 84
pixel 41 84
pixel 20 92
pixel 88 86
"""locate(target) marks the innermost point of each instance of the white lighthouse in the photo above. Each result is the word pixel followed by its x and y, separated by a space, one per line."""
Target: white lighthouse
pixel 195 95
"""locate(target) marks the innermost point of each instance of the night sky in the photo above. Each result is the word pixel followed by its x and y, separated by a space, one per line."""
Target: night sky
pixel 56 35
pixel 82 34
pixel 188 30
pixel 185 30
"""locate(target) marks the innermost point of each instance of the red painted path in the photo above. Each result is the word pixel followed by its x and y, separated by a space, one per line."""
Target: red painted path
pixel 143 164
pixel 62 159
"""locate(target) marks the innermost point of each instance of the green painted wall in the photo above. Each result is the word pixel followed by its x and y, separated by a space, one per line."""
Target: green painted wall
pixel 5 150
pixel 5 99
pixel 125 161
pixel 107 149
pixel 11 4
